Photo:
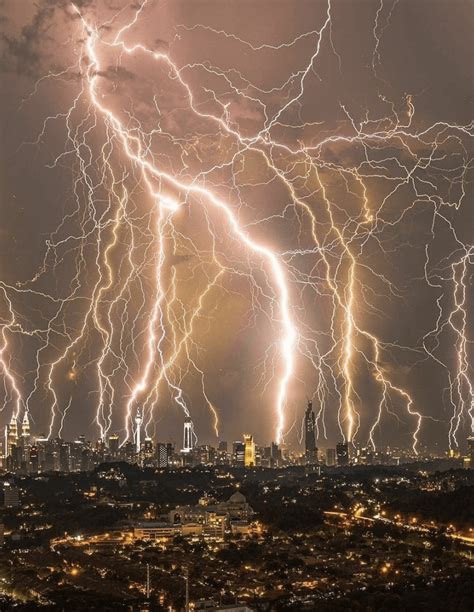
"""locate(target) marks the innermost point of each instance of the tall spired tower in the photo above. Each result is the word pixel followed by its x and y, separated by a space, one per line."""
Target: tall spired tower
pixel 25 430
pixel 25 437
pixel 11 436
pixel 138 423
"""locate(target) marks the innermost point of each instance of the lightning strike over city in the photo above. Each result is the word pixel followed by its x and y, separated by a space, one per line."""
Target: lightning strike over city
pixel 236 305
pixel 214 213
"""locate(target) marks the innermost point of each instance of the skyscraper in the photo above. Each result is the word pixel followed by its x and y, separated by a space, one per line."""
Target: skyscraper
pixel 330 457
pixel 238 454
pixel 470 444
pixel 342 453
pixel 162 459
pixel 249 452
pixel 275 453
pixel 188 436
pixel 25 430
pixel 11 495
pixel 34 460
pixel 64 457
pixel 169 452
pixel 11 436
pixel 138 424
pixel 114 445
pixel 148 448
pixel 311 452
pixel 25 440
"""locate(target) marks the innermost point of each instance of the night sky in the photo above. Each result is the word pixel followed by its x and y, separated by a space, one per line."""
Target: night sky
pixel 340 139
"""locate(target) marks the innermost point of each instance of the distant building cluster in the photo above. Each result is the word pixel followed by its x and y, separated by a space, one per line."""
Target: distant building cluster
pixel 24 454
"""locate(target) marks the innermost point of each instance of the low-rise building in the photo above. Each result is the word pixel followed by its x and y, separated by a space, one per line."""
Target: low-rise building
pixel 153 530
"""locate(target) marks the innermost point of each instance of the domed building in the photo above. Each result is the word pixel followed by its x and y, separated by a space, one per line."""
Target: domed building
pixel 237 498
pixel 236 506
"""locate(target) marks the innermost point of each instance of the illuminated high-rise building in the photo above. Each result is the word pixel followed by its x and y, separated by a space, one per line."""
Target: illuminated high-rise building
pixel 76 453
pixel 238 454
pixel 64 457
pixel 100 450
pixel 162 458
pixel 342 453
pixel 11 495
pixel 188 435
pixel 148 448
pixel 25 442
pixel 138 427
pixel 34 459
pixel 249 452
pixel 207 454
pixel 311 452
pixel 470 452
pixel 114 445
pixel 25 430
pixel 11 437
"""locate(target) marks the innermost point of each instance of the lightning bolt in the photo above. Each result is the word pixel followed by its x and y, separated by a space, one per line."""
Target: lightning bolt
pixel 121 249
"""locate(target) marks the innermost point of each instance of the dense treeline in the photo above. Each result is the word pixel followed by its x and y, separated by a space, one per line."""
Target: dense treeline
pixel 455 507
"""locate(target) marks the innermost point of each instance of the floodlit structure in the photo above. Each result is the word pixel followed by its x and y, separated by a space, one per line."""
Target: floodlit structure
pixel 249 453
pixel 11 437
pixel 188 435
pixel 138 423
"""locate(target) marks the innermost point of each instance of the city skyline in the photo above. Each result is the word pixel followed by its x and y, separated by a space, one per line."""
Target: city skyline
pixel 213 222
pixel 27 454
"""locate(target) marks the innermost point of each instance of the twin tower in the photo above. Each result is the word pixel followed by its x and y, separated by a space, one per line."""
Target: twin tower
pixel 188 434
